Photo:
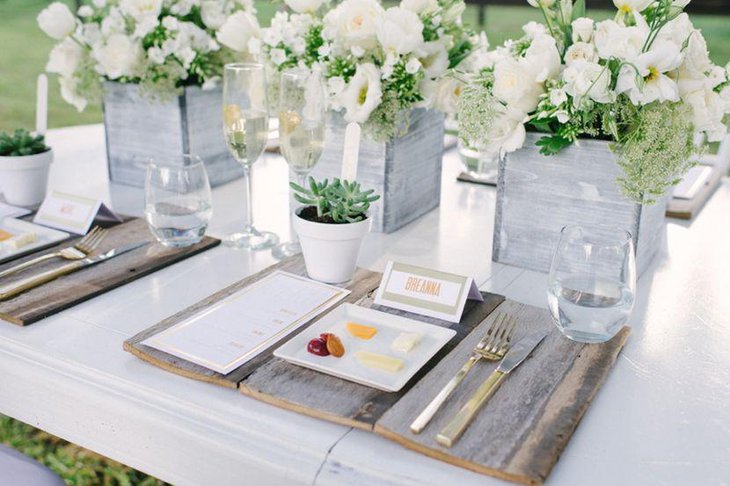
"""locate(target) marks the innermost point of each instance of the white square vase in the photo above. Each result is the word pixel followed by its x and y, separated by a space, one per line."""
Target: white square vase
pixel 537 195
pixel 138 129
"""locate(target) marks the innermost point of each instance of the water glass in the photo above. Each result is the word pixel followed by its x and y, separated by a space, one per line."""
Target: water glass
pixel 178 203
pixel 592 282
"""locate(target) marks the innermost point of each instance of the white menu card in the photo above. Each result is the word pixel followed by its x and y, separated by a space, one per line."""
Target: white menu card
pixel 236 329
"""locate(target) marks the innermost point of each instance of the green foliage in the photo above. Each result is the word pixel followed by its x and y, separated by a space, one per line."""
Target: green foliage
pixel 20 143
pixel 552 144
pixel 75 465
pixel 342 201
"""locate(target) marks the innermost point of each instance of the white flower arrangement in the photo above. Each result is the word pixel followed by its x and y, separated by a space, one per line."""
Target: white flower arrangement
pixel 162 45
pixel 379 63
pixel 643 80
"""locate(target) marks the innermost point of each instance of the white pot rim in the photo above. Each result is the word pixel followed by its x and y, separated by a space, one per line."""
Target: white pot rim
pixel 331 231
pixel 26 162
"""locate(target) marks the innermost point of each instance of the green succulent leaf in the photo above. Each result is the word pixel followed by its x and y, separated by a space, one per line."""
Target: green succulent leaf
pixel 341 200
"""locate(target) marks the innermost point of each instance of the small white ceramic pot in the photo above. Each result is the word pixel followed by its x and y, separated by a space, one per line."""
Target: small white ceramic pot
pixel 23 179
pixel 330 250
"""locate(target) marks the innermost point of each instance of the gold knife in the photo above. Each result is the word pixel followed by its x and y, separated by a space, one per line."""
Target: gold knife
pixel 15 288
pixel 519 352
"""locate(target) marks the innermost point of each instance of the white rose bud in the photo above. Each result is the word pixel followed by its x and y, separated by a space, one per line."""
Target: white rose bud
pixel 119 56
pixel 582 29
pixel 413 65
pixel 304 6
pixel 64 58
pixel 57 21
pixel 237 30
pixel 86 11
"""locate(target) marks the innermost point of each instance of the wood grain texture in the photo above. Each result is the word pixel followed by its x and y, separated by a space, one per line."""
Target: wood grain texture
pixel 538 195
pixel 364 282
pixel 138 129
pixel 688 208
pixel 323 396
pixel 406 171
pixel 72 289
pixel 521 431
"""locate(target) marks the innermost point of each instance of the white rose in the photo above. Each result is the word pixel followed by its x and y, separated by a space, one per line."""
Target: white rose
pixel 677 30
pixel 708 110
pixel 156 55
pixel 139 9
pixel 362 94
pixel 506 133
pixel 420 6
pixel 237 30
pixel 57 21
pixel 587 80
pixel 118 57
pixel 580 51
pixel 543 57
pixel 725 97
pixel 442 95
pixel 352 23
pixel 212 14
pixel 515 85
pixel 304 6
pixel 434 58
pixel 70 94
pixel 558 97
pixel 614 40
pixel 534 29
pixel 696 57
pixel 91 34
pixel 582 29
pixel 65 57
pixel 453 13
pixel 145 26
pixel 85 11
pixel 399 30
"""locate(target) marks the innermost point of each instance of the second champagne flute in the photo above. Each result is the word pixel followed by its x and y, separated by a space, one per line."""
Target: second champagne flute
pixel 301 132
pixel 246 128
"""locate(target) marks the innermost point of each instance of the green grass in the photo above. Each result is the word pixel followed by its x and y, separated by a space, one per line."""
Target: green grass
pixel 25 50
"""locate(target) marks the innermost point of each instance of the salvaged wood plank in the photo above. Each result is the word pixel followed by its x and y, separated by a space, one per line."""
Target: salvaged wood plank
pixel 363 283
pixel 77 287
pixel 323 396
pixel 521 431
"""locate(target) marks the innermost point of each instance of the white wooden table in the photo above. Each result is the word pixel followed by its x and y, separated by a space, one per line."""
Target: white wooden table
pixel 663 416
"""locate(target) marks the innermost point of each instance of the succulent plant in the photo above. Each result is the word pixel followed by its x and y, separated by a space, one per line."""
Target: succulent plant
pixel 341 201
pixel 20 143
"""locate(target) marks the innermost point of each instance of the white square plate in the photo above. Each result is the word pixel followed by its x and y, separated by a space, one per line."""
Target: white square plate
pixel 45 237
pixel 348 367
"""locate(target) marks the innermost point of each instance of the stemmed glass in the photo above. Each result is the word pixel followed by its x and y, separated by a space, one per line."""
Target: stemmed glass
pixel 592 282
pixel 246 128
pixel 301 131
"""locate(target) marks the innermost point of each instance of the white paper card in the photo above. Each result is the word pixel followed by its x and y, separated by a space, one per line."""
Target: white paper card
pixel 8 211
pixel 425 291
pixel 239 327
pixel 72 213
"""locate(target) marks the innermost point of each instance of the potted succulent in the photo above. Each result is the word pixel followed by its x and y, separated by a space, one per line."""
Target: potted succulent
pixel 594 122
pixel 331 226
pixel 388 69
pixel 156 66
pixel 24 163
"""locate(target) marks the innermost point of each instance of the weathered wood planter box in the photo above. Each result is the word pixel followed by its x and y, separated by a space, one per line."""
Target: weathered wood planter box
pixel 138 130
pixel 405 171
pixel 538 195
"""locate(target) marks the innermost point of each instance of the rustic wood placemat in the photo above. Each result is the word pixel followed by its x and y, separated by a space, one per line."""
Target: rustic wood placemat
pixel 689 208
pixel 521 431
pixel 77 287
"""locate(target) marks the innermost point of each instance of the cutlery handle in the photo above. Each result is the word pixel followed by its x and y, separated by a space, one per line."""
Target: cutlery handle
pixel 15 288
pixel 453 430
pixel 427 414
pixel 28 264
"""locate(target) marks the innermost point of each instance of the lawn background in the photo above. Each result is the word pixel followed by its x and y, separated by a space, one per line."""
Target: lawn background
pixel 23 55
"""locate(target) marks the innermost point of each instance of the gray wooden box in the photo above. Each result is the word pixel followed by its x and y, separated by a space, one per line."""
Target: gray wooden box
pixel 406 171
pixel 538 195
pixel 138 130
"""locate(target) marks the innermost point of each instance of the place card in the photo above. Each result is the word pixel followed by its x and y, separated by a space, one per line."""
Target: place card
pixel 241 326
pixel 72 213
pixel 8 211
pixel 425 291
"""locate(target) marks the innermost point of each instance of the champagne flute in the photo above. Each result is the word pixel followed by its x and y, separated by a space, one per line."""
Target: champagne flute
pixel 301 131
pixel 246 129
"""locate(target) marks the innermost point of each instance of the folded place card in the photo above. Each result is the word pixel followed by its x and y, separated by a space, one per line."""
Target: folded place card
pixel 8 211
pixel 246 323
pixel 72 213
pixel 425 291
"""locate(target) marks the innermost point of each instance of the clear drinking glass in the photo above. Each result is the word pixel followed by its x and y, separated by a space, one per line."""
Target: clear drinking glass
pixel 592 282
pixel 178 203
pixel 246 128
pixel 301 131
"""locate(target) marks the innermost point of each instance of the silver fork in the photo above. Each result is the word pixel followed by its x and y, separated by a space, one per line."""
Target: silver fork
pixel 81 249
pixel 493 346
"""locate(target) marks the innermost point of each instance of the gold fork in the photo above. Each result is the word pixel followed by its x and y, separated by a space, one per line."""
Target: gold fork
pixel 79 250
pixel 493 346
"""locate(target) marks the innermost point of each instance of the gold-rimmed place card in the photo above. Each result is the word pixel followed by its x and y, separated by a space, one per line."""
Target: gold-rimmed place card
pixel 238 328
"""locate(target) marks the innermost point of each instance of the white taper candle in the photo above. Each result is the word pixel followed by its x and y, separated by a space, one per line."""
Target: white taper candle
pixel 350 152
pixel 41 110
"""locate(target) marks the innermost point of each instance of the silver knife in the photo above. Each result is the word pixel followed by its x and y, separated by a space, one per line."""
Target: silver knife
pixel 15 288
pixel 519 352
